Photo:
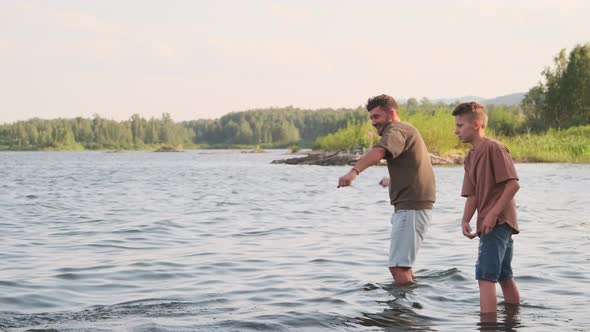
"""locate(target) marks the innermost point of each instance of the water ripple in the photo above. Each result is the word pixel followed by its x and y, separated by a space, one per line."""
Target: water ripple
pixel 223 241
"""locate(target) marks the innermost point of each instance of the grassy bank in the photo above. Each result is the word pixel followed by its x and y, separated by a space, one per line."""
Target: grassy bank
pixel 438 130
pixel 569 145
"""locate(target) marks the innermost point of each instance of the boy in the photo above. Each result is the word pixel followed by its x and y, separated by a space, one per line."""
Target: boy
pixel 490 183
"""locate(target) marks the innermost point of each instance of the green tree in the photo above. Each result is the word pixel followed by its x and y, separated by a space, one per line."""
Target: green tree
pixel 138 129
pixel 575 86
pixel 563 100
pixel 554 96
pixel 412 106
pixel 533 106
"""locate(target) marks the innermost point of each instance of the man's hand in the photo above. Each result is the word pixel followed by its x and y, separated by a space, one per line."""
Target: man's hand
pixel 489 222
pixel 467 232
pixel 347 179
pixel 369 159
pixel 384 182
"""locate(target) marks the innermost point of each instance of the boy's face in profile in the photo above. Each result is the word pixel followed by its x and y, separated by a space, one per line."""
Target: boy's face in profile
pixel 466 128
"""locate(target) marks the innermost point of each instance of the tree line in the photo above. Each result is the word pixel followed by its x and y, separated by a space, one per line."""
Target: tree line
pixel 274 127
pixel 94 134
pixel 560 101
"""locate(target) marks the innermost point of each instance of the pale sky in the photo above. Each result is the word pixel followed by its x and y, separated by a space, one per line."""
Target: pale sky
pixel 203 59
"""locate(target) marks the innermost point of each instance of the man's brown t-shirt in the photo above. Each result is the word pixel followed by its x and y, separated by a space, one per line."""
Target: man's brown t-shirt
pixel 487 168
pixel 411 185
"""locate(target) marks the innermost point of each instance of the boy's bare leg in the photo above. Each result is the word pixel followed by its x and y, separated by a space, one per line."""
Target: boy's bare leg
pixel 487 297
pixel 402 275
pixel 510 291
pixel 488 317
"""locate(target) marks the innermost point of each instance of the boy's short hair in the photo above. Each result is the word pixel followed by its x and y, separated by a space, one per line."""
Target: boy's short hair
pixel 475 110
pixel 384 101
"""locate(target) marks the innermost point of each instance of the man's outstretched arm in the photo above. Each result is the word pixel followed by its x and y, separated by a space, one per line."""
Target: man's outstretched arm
pixel 369 159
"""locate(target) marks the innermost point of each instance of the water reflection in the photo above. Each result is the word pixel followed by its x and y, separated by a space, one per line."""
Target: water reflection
pixel 506 319
pixel 402 313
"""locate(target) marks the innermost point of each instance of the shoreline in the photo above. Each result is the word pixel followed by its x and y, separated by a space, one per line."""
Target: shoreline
pixel 311 157
pixel 322 158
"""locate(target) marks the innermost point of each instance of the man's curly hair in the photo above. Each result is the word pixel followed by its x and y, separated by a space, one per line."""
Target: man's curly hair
pixel 384 101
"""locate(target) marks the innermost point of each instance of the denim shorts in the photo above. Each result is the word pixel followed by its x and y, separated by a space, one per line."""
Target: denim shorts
pixel 407 233
pixel 494 256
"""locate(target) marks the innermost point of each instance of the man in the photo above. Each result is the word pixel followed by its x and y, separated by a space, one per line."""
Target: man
pixel 489 183
pixel 411 184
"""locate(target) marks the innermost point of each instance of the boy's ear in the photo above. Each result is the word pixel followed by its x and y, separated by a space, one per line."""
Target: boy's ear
pixel 477 124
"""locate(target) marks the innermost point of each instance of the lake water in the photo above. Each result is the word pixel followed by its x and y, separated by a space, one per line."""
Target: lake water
pixel 227 241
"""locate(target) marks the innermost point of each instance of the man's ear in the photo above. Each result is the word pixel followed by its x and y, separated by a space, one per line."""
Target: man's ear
pixel 389 113
pixel 393 112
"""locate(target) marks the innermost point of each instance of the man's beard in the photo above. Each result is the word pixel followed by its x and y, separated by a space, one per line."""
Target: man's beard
pixel 379 130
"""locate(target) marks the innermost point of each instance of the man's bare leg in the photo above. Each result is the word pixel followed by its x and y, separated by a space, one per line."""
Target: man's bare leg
pixel 402 275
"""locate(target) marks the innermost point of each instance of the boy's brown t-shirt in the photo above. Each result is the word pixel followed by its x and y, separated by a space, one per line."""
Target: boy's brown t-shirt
pixel 487 168
pixel 411 185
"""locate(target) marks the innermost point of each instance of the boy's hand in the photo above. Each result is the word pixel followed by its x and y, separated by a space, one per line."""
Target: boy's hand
pixel 384 182
pixel 467 232
pixel 489 222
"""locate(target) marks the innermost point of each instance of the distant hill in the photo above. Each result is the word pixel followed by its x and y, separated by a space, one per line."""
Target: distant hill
pixel 511 99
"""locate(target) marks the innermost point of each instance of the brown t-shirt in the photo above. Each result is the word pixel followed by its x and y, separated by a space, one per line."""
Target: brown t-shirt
pixel 411 185
pixel 487 168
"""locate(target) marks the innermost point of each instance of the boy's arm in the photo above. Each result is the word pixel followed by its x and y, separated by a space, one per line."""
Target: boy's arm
pixel 369 159
pixel 490 220
pixel 470 206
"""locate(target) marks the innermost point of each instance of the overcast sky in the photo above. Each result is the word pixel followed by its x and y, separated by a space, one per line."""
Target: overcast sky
pixel 203 59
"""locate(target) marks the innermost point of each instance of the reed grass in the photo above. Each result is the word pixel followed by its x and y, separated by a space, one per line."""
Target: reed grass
pixel 570 145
